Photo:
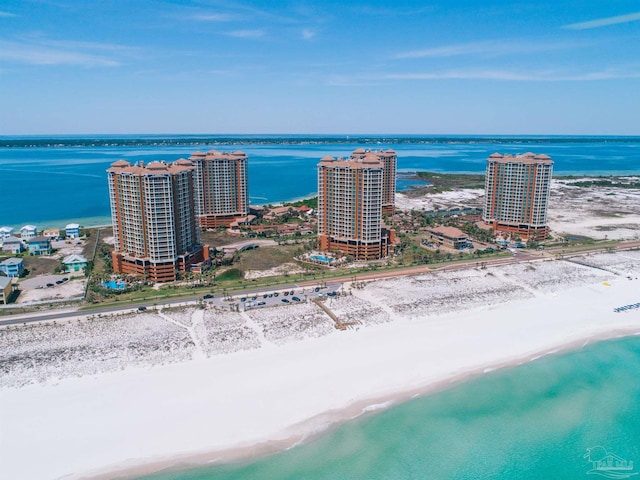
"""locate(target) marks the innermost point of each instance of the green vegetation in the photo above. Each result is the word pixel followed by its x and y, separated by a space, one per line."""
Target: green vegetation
pixel 309 202
pixel 605 183
pixel 264 258
pixel 443 182
pixel 230 275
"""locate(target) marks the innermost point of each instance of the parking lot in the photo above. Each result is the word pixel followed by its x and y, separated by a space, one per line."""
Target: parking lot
pixel 272 298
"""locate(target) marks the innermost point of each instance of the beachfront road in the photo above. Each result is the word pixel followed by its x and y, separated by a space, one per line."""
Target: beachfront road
pixel 335 283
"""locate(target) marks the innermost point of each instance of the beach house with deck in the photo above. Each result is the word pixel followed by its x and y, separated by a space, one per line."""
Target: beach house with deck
pixel 74 263
pixel 5 289
pixel 6 232
pixel 12 245
pixel 28 231
pixel 12 267
pixel 39 246
pixel 72 230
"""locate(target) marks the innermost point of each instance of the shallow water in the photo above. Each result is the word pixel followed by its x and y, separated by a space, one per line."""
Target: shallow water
pixel 533 421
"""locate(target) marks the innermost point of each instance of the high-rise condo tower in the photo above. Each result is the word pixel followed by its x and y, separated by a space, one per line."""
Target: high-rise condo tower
pixel 220 185
pixel 517 194
pixel 389 159
pixel 350 195
pixel 154 223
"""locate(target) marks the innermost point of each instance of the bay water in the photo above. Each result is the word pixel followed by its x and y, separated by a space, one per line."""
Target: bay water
pixel 538 420
pixel 53 181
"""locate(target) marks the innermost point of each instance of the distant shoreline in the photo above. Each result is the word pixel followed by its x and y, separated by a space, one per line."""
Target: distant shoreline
pixel 62 141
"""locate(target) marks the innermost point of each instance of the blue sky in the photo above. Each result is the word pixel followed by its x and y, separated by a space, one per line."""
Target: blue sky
pixel 432 67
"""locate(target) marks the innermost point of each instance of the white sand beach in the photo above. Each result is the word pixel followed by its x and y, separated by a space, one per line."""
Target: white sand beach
pixel 198 386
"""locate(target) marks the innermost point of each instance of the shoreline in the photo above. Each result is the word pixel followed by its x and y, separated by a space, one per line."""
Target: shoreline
pixel 311 429
pixel 174 416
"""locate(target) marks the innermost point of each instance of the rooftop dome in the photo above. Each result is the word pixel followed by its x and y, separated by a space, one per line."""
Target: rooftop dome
pixel 359 151
pixel 495 155
pixel 543 156
pixel 370 158
pixel 121 164
pixel 157 166
pixel 183 162
pixel 238 153
pixel 327 158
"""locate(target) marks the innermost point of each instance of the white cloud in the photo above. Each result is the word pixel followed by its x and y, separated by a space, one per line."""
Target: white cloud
pixel 487 48
pixel 604 22
pixel 308 34
pixel 37 50
pixel 505 75
pixel 7 14
pixel 245 33
pixel 478 75
pixel 212 17
pixel 38 55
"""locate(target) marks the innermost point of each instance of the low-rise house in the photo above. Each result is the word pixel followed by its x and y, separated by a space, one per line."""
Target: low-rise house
pixel 6 232
pixel 12 267
pixel 28 231
pixel 72 230
pixel 279 211
pixel 5 289
pixel 450 236
pixel 74 263
pixel 52 233
pixel 12 245
pixel 39 246
pixel 242 221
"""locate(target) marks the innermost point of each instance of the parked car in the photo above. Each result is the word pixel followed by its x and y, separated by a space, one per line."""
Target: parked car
pixel 286 293
pixel 276 294
pixel 284 300
pixel 243 299
pixel 295 299
pixel 208 296
pixel 331 294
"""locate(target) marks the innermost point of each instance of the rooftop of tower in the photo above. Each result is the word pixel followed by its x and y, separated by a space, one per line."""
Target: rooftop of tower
pixel 153 168
pixel 520 158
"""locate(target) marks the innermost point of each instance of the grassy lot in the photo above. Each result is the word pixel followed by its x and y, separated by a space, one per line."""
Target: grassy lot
pixel 264 258
pixel 218 238
pixel 40 265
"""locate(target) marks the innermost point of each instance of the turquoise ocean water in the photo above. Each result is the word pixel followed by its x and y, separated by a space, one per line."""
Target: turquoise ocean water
pixel 533 421
pixel 52 181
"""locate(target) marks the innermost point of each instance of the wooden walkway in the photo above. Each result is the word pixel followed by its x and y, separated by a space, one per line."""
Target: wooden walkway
pixel 340 325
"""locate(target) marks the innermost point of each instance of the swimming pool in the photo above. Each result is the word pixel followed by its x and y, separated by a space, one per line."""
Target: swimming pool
pixel 321 258
pixel 114 285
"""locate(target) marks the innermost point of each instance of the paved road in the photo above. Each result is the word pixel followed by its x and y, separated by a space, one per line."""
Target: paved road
pixel 517 257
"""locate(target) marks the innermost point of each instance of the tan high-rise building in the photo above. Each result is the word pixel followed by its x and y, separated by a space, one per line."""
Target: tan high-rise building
pixel 517 194
pixel 350 194
pixel 389 159
pixel 154 222
pixel 220 185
